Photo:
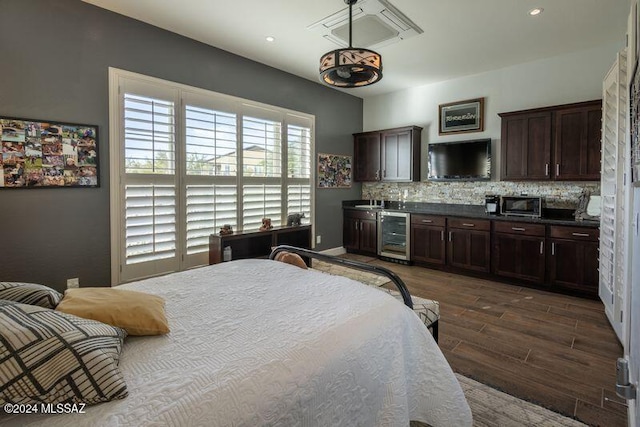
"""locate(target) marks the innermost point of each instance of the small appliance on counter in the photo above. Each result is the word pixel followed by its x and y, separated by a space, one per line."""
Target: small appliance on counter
pixel 521 206
pixel 492 204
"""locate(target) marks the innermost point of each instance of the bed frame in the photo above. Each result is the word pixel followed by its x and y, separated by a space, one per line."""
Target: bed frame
pixel 397 281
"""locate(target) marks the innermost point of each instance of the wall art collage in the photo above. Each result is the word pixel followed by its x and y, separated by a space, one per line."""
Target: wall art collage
pixel 48 154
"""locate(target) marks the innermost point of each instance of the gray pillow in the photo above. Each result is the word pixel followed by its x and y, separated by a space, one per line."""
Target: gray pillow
pixel 53 357
pixel 30 293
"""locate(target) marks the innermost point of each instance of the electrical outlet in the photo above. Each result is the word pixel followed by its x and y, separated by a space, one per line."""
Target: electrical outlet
pixel 73 283
pixel 318 239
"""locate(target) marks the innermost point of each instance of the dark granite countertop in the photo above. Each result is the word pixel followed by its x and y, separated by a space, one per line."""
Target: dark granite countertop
pixel 550 216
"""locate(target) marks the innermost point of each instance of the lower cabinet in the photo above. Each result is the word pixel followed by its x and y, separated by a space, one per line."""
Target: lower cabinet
pixel 469 244
pixel 428 239
pixel 573 259
pixel 519 251
pixel 359 232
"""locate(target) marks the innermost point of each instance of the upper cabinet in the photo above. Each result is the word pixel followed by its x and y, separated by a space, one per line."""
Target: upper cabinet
pixel 559 143
pixel 390 155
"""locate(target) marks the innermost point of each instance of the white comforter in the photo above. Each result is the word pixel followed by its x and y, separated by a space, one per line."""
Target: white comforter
pixel 258 342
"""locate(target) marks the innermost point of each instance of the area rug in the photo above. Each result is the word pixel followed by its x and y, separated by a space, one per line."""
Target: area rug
pixel 493 408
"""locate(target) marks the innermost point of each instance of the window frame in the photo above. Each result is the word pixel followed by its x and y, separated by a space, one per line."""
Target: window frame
pixel 184 95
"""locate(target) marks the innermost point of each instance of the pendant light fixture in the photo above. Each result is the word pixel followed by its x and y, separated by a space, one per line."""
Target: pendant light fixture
pixel 350 67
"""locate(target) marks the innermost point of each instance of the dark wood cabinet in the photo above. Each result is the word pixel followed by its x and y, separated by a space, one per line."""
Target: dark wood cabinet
pixel 526 146
pixel 428 244
pixel 391 155
pixel 366 157
pixel 519 251
pixel 552 143
pixel 573 259
pixel 359 232
pixel 577 142
pixel 469 244
pixel 257 244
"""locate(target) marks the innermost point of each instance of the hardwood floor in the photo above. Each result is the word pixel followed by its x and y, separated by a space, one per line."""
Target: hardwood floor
pixel 554 350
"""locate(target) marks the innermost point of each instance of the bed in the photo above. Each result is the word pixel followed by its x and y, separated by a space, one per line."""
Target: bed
pixel 257 342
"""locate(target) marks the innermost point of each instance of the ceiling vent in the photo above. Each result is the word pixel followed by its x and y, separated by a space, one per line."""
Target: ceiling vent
pixel 376 23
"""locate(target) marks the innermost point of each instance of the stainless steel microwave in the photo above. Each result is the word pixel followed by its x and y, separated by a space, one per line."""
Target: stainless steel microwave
pixel 521 206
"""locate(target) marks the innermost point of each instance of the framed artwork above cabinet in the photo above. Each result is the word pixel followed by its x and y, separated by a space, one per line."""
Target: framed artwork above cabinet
pixel 560 143
pixel 389 155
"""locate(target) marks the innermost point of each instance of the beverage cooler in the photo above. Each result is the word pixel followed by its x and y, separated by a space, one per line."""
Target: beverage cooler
pixel 394 236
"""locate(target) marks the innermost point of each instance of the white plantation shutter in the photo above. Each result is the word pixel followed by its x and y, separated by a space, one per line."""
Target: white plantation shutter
pixel 186 161
pixel 211 142
pixel 150 217
pixel 209 207
pixel 614 219
pixel 149 135
pixel 261 201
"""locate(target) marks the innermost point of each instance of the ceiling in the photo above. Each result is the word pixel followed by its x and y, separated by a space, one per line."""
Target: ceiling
pixel 461 37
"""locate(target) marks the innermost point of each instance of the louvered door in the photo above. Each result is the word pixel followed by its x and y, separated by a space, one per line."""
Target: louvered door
pixel 614 223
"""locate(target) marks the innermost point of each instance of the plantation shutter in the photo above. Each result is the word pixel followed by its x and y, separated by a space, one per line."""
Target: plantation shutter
pixel 211 170
pixel 149 185
pixel 186 161
pixel 299 167
pixel 261 168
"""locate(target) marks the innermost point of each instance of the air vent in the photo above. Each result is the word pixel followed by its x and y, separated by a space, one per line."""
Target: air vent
pixel 376 23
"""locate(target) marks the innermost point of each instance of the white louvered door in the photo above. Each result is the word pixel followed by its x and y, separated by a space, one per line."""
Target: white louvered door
pixel 614 221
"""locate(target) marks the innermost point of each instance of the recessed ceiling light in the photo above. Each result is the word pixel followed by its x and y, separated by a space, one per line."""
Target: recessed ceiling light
pixel 536 11
pixel 270 38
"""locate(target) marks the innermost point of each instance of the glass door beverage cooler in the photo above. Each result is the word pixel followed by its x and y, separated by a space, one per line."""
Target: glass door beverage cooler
pixel 394 236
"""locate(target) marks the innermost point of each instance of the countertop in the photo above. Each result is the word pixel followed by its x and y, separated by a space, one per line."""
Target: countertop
pixel 550 216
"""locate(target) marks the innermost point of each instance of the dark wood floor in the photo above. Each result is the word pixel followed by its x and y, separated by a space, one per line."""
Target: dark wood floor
pixel 554 350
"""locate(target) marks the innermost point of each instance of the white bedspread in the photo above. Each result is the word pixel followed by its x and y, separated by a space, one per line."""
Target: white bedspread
pixel 258 342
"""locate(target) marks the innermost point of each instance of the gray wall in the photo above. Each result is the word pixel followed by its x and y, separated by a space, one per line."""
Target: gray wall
pixel 55 60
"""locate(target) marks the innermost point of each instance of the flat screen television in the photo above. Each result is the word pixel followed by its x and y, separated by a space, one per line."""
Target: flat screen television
pixel 460 161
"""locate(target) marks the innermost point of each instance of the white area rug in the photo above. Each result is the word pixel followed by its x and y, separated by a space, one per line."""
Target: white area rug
pixel 493 408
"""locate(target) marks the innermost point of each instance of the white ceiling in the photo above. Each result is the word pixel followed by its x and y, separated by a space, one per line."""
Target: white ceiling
pixel 461 37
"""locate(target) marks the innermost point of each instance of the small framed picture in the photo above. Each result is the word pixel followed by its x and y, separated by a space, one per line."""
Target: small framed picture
pixel 461 116
pixel 334 171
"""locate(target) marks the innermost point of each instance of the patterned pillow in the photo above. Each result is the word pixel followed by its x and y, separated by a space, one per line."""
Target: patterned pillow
pixel 30 293
pixel 52 357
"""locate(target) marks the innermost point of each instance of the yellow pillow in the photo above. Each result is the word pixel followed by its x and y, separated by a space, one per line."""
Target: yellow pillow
pixel 291 258
pixel 136 312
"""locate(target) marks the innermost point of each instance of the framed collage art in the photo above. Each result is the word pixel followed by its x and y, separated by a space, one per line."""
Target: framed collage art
pixel 47 154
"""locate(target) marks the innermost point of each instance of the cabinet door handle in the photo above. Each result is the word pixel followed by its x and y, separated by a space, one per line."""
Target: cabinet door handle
pixel 518 229
pixel 442 235
pixel 427 220
pixel 546 169
pixel 467 224
pixel 450 235
pixel 557 169
pixel 356 225
pixel 580 234
pixel 553 248
pixel 384 173
pixel 361 224
pixel 541 247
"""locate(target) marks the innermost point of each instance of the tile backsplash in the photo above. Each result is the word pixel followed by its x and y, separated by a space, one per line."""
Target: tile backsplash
pixel 560 195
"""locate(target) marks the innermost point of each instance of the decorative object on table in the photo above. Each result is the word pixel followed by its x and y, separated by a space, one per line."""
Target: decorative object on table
pixel 226 229
pixel 334 171
pixel 266 224
pixel 353 66
pixel 461 116
pixel 45 154
pixel 295 219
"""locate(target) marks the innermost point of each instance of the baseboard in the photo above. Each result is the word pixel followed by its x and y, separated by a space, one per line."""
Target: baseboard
pixel 334 251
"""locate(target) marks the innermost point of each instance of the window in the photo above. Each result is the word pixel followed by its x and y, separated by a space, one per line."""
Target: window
pixel 186 161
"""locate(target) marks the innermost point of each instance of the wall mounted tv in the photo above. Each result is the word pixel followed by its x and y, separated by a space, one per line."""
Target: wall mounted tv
pixel 460 161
